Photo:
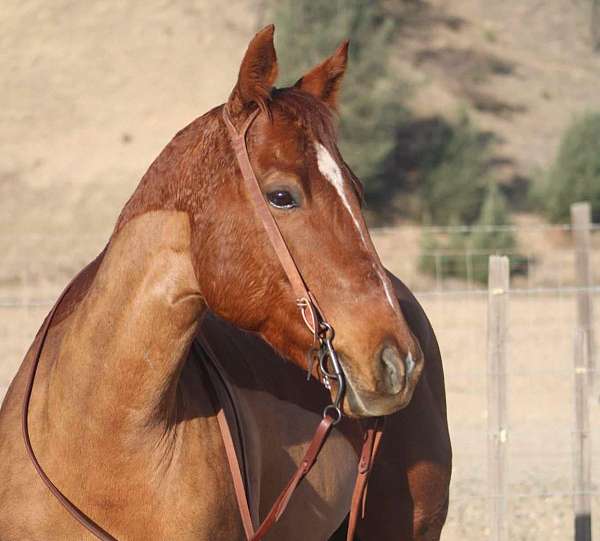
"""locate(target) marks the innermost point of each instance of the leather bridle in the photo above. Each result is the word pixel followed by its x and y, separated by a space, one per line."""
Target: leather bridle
pixel 329 369
pixel 329 364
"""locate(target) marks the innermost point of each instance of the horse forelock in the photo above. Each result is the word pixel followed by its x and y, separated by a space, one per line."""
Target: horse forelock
pixel 314 116
pixel 319 121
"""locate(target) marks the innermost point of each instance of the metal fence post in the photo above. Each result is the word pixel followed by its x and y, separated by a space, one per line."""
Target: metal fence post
pixel 581 222
pixel 497 338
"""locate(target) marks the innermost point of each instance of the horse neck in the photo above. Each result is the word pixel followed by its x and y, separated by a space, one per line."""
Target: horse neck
pixel 133 327
pixel 180 177
pixel 126 341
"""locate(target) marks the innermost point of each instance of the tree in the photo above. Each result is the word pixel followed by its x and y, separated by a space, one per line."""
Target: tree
pixel 490 237
pixel 575 173
pixel 454 175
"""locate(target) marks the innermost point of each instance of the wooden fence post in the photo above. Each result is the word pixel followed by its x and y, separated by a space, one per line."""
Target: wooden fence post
pixel 595 25
pixel 581 221
pixel 498 290
pixel 582 450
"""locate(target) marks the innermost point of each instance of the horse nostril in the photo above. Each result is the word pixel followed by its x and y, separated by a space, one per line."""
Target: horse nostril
pixel 393 370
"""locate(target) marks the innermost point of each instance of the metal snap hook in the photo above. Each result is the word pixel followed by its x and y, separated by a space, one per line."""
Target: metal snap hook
pixel 337 417
pixel 326 331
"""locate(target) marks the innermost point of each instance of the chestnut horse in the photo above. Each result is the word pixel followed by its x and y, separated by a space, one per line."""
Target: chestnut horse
pixel 121 417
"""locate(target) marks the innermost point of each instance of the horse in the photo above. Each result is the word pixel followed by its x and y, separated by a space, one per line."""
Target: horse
pixel 119 407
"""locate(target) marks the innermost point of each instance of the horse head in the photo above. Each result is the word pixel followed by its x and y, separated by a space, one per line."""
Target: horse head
pixel 316 202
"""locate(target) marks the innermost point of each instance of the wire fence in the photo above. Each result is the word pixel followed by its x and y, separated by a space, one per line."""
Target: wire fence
pixel 543 319
pixel 537 492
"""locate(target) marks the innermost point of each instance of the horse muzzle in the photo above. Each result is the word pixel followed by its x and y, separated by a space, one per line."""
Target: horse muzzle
pixel 389 389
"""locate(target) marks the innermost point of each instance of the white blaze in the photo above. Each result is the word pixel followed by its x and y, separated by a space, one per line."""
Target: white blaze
pixel 331 171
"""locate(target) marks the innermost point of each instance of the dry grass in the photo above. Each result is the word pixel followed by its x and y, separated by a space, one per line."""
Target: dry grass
pixel 541 413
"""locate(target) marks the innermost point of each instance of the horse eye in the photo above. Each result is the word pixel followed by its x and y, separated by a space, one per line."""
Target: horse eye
pixel 282 199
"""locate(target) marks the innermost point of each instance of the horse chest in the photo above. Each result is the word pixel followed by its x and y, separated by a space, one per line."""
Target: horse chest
pixel 278 434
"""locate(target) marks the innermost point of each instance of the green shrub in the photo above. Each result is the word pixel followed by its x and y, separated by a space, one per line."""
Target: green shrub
pixel 455 263
pixel 454 175
pixel 429 245
pixel 494 212
pixel 465 255
pixel 439 169
pixel 443 256
pixel 575 173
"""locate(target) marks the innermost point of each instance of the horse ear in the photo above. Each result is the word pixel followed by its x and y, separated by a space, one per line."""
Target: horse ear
pixel 324 80
pixel 258 73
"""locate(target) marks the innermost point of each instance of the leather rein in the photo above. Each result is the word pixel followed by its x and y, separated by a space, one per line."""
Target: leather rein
pixel 329 368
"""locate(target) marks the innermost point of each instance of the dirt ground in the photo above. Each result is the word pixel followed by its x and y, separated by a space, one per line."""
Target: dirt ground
pixel 540 402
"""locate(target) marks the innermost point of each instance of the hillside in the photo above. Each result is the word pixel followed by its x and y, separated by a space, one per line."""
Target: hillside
pixel 521 69
pixel 94 92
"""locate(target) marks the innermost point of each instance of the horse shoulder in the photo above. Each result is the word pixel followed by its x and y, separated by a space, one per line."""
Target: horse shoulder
pixel 408 490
